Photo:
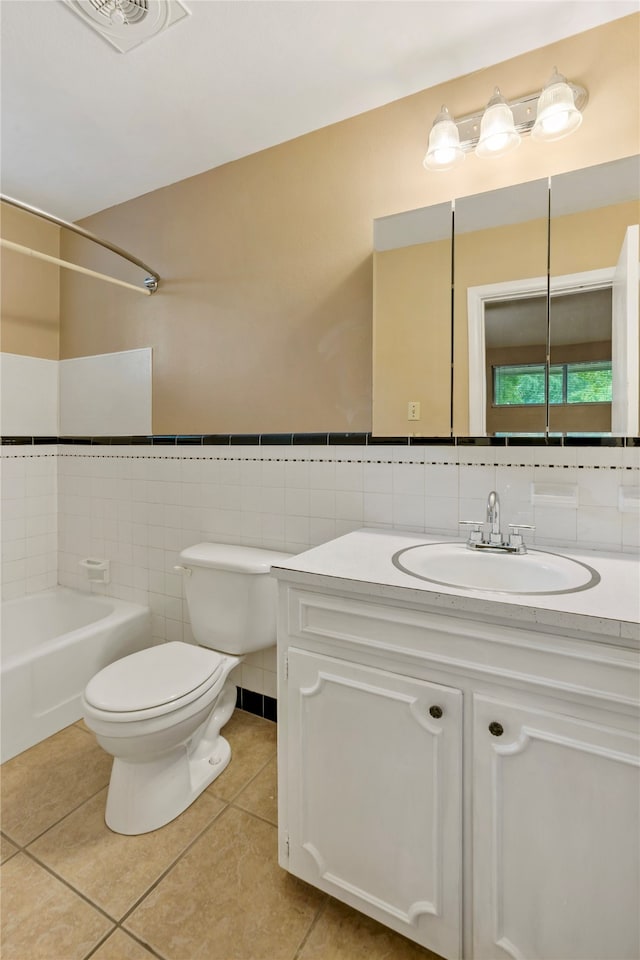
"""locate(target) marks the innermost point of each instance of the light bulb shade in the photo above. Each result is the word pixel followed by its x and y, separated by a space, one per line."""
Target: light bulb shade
pixel 498 134
pixel 443 151
pixel 557 114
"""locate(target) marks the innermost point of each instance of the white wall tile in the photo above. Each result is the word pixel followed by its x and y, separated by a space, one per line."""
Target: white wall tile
pixel 441 480
pixel 294 504
pixel 29 519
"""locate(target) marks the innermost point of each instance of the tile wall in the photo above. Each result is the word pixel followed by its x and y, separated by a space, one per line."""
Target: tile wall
pixel 138 506
pixel 29 519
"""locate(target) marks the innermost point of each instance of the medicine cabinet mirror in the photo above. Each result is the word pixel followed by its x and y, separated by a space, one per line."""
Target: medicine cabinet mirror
pixel 513 312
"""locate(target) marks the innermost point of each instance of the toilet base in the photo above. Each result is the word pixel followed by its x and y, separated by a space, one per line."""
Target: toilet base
pixel 145 796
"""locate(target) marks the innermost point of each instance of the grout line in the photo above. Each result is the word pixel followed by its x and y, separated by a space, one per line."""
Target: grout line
pixel 99 944
pixel 13 844
pixel 70 886
pixel 236 806
pixel 137 939
pixel 125 916
pixel 56 822
pixel 314 922
pixel 235 796
pixel 147 946
pixel 118 922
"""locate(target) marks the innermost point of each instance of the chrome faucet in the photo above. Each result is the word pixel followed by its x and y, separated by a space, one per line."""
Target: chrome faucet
pixel 477 540
pixel 493 514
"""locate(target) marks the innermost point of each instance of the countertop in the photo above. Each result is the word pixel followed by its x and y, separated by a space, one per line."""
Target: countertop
pixel 360 562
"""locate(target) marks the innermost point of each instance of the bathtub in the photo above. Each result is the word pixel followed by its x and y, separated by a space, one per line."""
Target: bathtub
pixel 52 644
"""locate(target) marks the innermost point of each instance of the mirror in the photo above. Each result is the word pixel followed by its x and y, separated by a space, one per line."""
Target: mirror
pixel 499 309
pixel 412 330
pixel 537 271
pixel 593 308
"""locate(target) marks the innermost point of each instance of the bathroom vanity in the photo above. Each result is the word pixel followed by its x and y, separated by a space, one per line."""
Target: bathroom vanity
pixel 463 765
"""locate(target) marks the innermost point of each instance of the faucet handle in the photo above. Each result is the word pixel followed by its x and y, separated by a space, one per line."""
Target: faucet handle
pixel 475 534
pixel 515 537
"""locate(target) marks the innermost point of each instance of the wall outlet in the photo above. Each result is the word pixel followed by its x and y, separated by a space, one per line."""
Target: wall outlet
pixel 413 410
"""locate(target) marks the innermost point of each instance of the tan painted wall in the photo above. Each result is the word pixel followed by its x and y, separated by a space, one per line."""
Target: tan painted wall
pixel 263 320
pixel 29 289
pixel 412 339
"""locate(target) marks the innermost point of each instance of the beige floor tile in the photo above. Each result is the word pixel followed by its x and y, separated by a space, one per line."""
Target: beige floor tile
pixel 7 849
pixel 47 781
pixel 342 933
pixel 42 919
pixel 120 946
pixel 227 899
pixel 261 796
pixel 113 870
pixel 253 742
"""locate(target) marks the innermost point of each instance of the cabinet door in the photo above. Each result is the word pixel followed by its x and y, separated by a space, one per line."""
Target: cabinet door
pixel 374 794
pixel 556 852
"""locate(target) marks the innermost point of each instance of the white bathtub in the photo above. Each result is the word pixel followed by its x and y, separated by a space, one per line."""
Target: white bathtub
pixel 52 644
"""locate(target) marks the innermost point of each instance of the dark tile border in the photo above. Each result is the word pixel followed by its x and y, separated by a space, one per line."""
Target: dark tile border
pixel 432 441
pixel 595 441
pixel 282 439
pixel 257 703
pixel 389 441
pixel 320 439
pixel 355 439
pixel 244 439
pixel 534 441
pixel 270 708
pixel 481 441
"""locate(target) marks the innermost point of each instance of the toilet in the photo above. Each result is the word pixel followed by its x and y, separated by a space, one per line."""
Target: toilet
pixel 159 712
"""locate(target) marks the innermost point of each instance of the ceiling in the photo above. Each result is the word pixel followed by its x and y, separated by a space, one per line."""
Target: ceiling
pixel 84 127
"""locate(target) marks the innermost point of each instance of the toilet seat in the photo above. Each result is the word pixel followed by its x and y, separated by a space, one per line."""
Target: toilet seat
pixel 155 681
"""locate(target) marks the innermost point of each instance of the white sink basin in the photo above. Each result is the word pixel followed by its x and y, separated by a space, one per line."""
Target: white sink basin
pixel 535 572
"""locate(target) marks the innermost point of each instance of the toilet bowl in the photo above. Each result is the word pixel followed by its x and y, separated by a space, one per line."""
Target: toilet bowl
pixel 159 712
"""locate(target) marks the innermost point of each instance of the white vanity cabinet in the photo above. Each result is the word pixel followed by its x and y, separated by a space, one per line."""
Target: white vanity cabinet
pixel 375 793
pixel 556 847
pixel 471 784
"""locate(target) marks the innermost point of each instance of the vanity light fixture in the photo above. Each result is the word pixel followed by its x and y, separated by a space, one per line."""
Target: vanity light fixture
pixel 558 114
pixel 498 134
pixel 550 115
pixel 444 151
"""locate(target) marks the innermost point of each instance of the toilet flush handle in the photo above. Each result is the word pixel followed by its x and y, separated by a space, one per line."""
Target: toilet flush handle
pixel 186 570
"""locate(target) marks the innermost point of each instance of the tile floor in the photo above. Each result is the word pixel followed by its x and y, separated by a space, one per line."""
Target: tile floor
pixel 205 887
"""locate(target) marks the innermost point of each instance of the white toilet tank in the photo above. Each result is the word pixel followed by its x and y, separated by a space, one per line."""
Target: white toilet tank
pixel 232 599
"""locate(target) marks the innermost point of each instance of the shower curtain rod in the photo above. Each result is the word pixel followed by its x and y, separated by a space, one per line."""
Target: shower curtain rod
pixel 150 282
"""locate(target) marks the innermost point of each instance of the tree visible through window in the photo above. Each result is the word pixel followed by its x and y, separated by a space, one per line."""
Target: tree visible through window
pixel 523 384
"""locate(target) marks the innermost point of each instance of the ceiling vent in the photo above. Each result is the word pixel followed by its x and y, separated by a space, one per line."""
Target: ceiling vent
pixel 126 24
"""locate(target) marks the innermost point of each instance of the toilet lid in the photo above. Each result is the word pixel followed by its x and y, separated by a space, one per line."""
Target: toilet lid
pixel 159 675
